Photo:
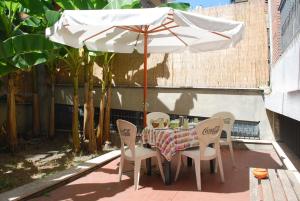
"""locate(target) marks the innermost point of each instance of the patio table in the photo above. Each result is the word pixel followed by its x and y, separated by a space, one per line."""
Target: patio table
pixel 168 142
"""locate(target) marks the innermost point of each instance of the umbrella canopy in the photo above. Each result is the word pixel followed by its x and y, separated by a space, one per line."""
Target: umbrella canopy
pixel 151 30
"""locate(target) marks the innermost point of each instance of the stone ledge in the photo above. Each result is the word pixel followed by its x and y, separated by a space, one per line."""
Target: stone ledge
pixel 48 182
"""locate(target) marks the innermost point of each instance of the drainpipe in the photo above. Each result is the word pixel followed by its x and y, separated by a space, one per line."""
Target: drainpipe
pixel 270 20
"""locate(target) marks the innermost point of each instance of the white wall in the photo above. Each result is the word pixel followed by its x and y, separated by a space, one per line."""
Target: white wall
pixel 285 83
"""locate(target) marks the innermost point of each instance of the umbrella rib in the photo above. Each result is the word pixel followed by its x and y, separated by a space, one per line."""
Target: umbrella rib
pixel 164 29
pixel 176 36
pixel 161 26
pixel 128 28
pixel 92 36
pixel 223 35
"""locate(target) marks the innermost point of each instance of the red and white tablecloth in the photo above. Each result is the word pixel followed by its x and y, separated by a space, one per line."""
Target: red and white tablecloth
pixel 169 141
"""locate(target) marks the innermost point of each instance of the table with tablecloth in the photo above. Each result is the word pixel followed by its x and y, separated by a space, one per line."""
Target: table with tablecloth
pixel 169 141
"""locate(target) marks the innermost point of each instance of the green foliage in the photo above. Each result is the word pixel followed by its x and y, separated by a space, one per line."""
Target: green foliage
pixel 52 17
pixel 22 40
pixel 178 6
pixel 134 4
pixel 81 4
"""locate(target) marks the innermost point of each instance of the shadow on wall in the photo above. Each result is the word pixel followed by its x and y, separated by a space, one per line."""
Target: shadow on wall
pixel 134 77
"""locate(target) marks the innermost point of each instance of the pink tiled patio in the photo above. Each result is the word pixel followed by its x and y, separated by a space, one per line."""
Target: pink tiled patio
pixel 102 184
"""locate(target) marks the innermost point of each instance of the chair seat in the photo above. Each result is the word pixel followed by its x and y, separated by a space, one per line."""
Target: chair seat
pixel 223 141
pixel 141 152
pixel 195 153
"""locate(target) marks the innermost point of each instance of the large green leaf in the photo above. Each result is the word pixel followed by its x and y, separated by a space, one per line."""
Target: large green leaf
pixel 52 17
pixel 82 4
pixel 32 22
pixel 35 6
pixel 99 4
pixel 66 5
pixel 24 44
pixel 12 5
pixel 5 27
pixel 6 69
pixel 134 4
pixel 177 5
pixel 27 60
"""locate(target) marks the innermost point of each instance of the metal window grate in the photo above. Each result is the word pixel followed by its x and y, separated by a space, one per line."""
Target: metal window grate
pixel 241 129
pixel 290 21
pixel 246 129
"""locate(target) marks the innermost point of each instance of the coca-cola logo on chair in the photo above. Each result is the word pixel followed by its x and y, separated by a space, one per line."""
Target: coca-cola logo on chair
pixel 125 132
pixel 211 131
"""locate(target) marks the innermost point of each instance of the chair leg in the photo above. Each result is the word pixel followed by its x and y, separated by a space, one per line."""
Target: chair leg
pixel 216 165
pixel 121 165
pixel 216 162
pixel 160 166
pixel 179 160
pixel 220 164
pixel 137 169
pixel 198 173
pixel 231 153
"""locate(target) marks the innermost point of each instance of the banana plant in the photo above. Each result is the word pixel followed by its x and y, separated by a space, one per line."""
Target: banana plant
pixel 88 61
pixel 73 59
pixel 19 50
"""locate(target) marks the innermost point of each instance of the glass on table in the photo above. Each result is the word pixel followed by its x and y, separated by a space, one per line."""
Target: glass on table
pixel 174 123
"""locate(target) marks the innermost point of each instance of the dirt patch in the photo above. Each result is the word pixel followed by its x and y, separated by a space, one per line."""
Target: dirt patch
pixel 36 159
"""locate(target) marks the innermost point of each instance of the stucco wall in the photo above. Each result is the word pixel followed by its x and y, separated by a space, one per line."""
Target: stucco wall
pixel 285 83
pixel 244 104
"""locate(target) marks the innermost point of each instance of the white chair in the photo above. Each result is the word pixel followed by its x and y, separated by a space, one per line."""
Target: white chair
pixel 228 119
pixel 127 132
pixel 155 116
pixel 209 132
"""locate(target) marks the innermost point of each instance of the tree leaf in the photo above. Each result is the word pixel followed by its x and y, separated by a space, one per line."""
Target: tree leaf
pixel 32 22
pixel 66 5
pixel 178 5
pixel 99 4
pixel 34 7
pixel 6 69
pixel 27 60
pixel 5 27
pixel 132 5
pixel 52 17
pixel 24 44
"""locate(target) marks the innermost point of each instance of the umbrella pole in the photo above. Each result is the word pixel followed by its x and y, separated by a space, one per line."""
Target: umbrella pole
pixel 145 76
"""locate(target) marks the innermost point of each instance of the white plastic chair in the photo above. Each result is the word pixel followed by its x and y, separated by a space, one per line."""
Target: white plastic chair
pixel 155 116
pixel 127 132
pixel 228 119
pixel 209 132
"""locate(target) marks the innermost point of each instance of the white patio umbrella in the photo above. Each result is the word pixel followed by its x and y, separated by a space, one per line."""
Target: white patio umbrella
pixel 151 30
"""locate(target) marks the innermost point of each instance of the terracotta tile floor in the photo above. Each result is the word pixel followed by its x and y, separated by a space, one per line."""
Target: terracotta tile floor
pixel 102 184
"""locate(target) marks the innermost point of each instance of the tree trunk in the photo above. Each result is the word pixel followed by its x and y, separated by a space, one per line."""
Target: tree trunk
pixel 35 105
pixel 101 118
pixel 75 121
pixel 11 114
pixel 86 100
pixel 90 114
pixel 52 107
pixel 107 115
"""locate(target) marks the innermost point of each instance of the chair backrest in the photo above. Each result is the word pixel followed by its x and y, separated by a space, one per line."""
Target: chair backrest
pixel 155 116
pixel 127 132
pixel 209 132
pixel 228 119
